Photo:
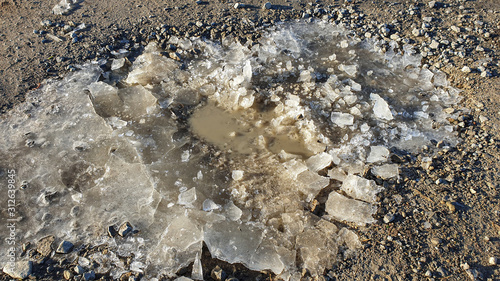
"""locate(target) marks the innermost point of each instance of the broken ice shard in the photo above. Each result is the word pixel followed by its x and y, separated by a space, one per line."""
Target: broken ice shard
pixel 360 188
pixel 342 208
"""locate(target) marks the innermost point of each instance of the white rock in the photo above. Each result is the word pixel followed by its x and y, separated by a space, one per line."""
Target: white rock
pixel 237 174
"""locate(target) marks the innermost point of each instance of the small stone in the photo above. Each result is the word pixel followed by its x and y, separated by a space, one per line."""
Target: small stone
pixel 451 207
pixel 46 23
pixel 434 44
pixel 474 274
pixel 433 4
pixel 486 73
pixel 389 217
pixel 20 270
pixel 89 276
pixel 455 29
pixel 218 274
pixel 175 56
pixel 436 241
pixel 466 69
pixel 441 181
pixel 428 273
pixel 442 271
pixel 239 6
pixel 268 6
pixel 427 19
pixel 78 269
pixel 237 174
pixel 67 275
pixel 112 231
pixel 125 229
pixel 417 32
pixel 44 245
pixel 493 261
pixel 65 247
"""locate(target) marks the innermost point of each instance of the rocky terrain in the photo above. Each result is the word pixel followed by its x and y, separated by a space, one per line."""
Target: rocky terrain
pixel 439 220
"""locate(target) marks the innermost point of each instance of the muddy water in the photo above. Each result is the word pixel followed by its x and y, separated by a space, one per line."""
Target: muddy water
pixel 244 131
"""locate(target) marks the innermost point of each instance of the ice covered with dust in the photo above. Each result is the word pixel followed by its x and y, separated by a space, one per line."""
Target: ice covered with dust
pixel 230 148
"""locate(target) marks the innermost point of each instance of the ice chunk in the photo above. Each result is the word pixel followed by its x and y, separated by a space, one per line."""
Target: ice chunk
pixel 377 154
pixel 386 171
pixel 381 109
pixel 337 174
pixel 294 167
pixel 319 161
pixel 360 188
pixel 342 119
pixel 342 208
pixel 187 198
pixel 317 249
pixel 350 70
pixel 242 243
pixel 197 272
pixel 64 7
pixel 209 205
pixel 312 183
pixel 233 213
pixel 349 238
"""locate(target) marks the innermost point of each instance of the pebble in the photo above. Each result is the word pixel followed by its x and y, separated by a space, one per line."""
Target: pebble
pixel 427 19
pixel 89 276
pixel 455 29
pixel 442 271
pixel 417 32
pixel 46 23
pixel 436 241
pixel 451 207
pixel 21 269
pixel 474 274
pixel 67 275
pixel 389 217
pixel 44 245
pixel 78 269
pixel 434 44
pixel 65 247
pixel 239 6
pixel 493 261
pixel 125 229
pixel 218 274
pixel 466 69
pixel 268 6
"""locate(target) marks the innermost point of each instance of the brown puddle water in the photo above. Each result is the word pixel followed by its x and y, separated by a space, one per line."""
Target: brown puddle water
pixel 244 131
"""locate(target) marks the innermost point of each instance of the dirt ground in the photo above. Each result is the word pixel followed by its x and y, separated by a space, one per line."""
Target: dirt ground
pixel 442 229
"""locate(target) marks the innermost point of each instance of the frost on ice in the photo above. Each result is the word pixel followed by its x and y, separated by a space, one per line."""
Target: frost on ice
pixel 229 149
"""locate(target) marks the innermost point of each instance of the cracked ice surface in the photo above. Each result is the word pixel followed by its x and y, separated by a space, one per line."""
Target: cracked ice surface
pixel 228 149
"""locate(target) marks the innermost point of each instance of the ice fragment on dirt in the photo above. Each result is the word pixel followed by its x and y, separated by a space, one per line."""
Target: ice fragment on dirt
pixel 233 213
pixel 242 243
pixel 319 161
pixel 187 198
pixel 360 188
pixel 381 108
pixel 386 171
pixel 342 119
pixel 377 154
pixel 342 208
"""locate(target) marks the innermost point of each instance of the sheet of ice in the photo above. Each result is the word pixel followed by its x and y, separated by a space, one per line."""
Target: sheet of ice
pixel 300 119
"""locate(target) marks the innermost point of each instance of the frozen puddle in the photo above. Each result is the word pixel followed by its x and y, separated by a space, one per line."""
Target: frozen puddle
pixel 230 149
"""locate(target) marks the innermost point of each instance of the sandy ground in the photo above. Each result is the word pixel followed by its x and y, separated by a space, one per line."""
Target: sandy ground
pixel 464 213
